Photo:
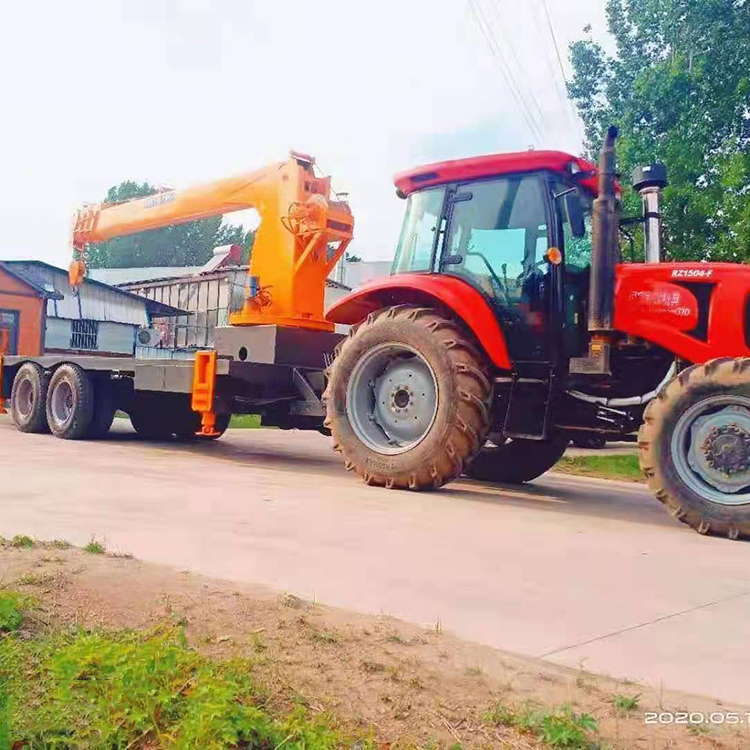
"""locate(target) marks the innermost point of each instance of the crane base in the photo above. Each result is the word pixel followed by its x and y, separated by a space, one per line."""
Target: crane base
pixel 276 345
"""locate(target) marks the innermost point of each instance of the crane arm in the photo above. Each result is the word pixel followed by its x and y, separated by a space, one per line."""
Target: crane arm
pixel 302 234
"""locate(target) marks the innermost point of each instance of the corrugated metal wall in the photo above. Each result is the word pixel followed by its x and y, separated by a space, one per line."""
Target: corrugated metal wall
pixel 112 338
pixel 93 303
pixel 206 298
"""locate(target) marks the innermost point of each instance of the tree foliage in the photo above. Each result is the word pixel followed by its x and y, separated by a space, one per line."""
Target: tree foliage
pixel 189 244
pixel 678 86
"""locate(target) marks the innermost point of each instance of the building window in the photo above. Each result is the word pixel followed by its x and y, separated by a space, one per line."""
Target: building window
pixel 84 334
pixel 8 332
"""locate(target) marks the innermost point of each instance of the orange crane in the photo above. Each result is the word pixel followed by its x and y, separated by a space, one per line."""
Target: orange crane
pixel 302 235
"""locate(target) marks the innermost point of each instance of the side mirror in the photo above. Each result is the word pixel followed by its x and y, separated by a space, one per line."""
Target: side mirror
pixel 574 212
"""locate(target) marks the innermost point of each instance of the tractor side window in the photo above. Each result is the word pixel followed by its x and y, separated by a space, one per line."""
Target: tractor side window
pixel 498 236
pixel 414 251
pixel 577 249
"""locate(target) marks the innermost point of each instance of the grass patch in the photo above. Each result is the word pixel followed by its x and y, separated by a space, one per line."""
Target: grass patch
pixel 12 607
pixel 149 689
pixel 35 579
pixel 95 547
pixel 561 727
pixel 60 544
pixel 625 703
pixel 244 422
pixel 623 467
pixel 21 541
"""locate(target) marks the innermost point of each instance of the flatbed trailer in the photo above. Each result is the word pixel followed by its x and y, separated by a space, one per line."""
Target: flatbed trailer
pixel 275 371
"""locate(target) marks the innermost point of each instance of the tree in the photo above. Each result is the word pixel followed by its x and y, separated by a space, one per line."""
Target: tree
pixel 678 87
pixel 189 244
pixel 351 258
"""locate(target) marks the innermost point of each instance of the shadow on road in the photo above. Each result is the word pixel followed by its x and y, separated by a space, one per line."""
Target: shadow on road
pixel 311 453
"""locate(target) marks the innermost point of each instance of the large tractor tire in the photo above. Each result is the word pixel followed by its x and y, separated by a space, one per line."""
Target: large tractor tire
pixel 70 403
pixel 517 461
pixel 695 447
pixel 28 399
pixel 408 399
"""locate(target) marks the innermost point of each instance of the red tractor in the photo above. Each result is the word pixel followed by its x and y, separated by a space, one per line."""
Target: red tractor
pixel 510 325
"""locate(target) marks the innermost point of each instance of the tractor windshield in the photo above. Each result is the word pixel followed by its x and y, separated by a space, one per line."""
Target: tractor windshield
pixel 419 232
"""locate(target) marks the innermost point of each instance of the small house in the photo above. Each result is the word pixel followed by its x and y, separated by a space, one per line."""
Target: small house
pixel 41 313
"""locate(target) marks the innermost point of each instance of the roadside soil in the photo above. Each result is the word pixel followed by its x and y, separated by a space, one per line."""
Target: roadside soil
pixel 413 684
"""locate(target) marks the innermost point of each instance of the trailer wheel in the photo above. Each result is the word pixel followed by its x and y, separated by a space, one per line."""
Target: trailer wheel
pixel 695 447
pixel 28 399
pixel 70 403
pixel 104 410
pixel 408 399
pixel 149 421
pixel 516 461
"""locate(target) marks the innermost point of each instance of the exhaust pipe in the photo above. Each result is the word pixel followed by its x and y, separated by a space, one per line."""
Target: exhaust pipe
pixel 605 248
pixel 649 181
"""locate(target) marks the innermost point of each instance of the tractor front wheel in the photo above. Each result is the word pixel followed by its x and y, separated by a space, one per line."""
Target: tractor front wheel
pixel 695 447
pixel 408 398
pixel 517 461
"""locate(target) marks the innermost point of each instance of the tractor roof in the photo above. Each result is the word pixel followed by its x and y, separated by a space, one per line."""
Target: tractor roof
pixel 493 165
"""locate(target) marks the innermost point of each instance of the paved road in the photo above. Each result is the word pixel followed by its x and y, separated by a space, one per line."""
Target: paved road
pixel 577 571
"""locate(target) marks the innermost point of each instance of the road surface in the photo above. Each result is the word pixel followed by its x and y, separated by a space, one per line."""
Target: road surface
pixel 578 571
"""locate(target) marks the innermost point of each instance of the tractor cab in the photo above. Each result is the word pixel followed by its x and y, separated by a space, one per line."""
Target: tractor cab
pixel 516 228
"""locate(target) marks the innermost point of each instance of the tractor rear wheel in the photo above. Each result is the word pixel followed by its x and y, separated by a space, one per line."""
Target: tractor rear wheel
pixel 28 399
pixel 408 398
pixel 695 447
pixel 517 461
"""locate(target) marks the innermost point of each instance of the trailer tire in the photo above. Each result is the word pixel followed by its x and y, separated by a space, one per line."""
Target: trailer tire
pixel 697 426
pixel 70 403
pixel 148 421
pixel 517 460
pixel 28 399
pixel 104 410
pixel 436 374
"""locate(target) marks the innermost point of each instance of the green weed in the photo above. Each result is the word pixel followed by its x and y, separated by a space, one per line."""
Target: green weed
pixel 12 607
pixel 625 702
pixel 95 547
pixel 60 544
pixel 560 727
pixel 22 541
pixel 96 689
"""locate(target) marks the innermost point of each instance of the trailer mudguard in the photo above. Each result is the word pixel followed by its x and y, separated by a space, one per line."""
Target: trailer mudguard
pixel 465 302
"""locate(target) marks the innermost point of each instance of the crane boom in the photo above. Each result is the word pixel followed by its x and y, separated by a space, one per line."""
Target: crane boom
pixel 302 234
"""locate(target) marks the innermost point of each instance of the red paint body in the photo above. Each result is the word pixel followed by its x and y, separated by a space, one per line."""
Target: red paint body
pixel 650 300
pixel 458 296
pixel 477 167
pixel 651 303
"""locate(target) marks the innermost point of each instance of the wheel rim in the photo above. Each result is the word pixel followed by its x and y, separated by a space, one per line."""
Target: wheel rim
pixel 62 402
pixel 25 398
pixel 392 398
pixel 710 449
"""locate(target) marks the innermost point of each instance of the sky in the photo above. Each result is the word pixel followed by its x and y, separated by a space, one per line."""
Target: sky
pixel 176 92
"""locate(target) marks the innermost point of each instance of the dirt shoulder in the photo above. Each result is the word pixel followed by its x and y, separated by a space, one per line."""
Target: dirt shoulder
pixel 413 686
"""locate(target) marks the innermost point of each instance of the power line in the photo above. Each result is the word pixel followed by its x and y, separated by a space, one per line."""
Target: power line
pixel 561 95
pixel 554 41
pixel 497 55
pixel 508 40
pixel 557 51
